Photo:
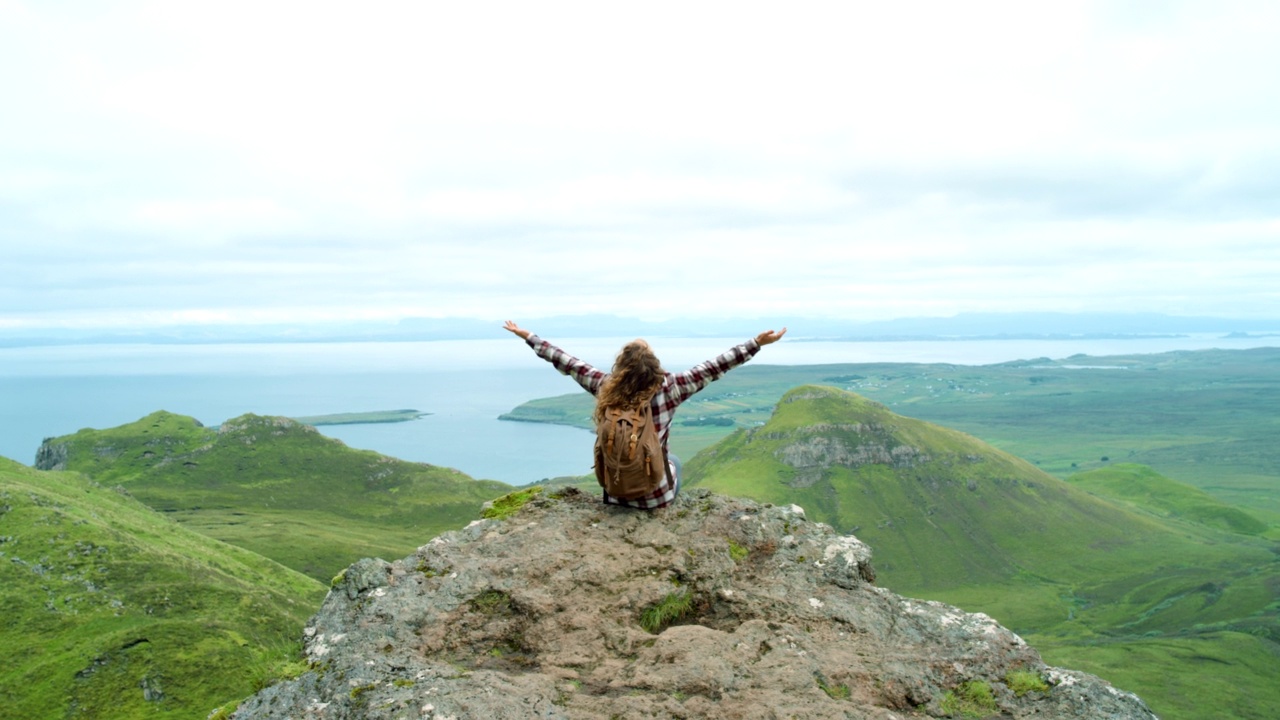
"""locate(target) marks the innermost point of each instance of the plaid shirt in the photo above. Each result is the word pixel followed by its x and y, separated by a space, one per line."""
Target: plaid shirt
pixel 676 388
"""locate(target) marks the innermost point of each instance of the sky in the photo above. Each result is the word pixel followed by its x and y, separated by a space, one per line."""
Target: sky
pixel 302 162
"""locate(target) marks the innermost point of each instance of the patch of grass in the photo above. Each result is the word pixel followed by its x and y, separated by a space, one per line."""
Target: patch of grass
pixel 1022 682
pixel 737 552
pixel 277 664
pixel 672 607
pixel 507 505
pixel 972 699
pixel 835 692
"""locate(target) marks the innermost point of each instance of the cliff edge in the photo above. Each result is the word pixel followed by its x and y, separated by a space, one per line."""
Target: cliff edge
pixel 713 608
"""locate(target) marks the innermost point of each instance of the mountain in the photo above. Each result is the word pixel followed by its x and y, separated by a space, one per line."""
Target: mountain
pixel 112 610
pixel 712 608
pixel 276 487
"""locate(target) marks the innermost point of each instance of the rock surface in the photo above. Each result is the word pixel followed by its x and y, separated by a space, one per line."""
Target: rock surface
pixel 543 615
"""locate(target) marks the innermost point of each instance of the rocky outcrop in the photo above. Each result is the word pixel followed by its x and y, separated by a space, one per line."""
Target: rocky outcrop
pixel 712 608
pixel 51 455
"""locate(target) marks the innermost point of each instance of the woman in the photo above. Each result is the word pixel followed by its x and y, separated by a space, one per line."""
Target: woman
pixel 638 375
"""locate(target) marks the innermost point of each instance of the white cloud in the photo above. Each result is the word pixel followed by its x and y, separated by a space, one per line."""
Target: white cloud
pixel 252 161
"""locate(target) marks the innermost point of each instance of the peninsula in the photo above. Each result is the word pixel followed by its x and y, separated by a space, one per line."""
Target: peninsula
pixel 358 418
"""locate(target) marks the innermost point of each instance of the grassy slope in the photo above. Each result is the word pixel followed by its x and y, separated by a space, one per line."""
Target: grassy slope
pixel 1071 570
pixel 280 488
pixel 100 594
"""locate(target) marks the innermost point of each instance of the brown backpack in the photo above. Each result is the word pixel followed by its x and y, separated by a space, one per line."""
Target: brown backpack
pixel 630 462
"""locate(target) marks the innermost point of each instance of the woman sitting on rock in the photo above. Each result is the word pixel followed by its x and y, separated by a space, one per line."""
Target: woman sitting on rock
pixel 637 374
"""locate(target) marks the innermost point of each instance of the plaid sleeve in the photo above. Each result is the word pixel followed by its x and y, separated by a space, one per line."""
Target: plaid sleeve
pixel 583 373
pixel 699 376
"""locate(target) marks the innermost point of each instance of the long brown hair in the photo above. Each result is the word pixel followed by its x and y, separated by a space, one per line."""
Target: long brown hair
pixel 636 376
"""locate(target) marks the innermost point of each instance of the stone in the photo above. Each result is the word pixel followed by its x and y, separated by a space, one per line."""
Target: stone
pixel 539 616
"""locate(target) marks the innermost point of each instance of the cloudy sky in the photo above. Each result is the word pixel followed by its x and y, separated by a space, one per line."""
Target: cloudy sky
pixel 263 162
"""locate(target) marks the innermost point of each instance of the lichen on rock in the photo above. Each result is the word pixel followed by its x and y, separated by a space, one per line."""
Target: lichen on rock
pixel 539 615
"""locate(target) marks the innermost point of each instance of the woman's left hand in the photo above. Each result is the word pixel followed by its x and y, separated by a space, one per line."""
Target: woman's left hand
pixel 769 337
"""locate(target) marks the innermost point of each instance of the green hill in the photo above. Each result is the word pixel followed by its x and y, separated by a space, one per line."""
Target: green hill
pixel 112 610
pixel 940 508
pixel 1087 577
pixel 1140 487
pixel 276 487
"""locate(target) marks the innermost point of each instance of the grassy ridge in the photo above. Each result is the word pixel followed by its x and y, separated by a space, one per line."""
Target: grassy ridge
pixel 1138 566
pixel 1139 486
pixel 277 487
pixel 112 610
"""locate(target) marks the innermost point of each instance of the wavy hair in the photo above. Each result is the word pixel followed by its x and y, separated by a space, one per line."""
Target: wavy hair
pixel 636 376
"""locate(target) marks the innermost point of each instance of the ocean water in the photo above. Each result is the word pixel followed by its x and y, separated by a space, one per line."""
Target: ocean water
pixel 464 384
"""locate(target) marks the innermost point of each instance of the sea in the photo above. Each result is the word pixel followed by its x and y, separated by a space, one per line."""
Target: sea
pixel 464 385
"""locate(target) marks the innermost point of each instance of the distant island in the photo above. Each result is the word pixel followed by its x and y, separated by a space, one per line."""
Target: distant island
pixel 360 418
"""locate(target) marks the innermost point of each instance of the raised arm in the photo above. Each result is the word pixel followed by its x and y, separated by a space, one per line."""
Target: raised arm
pixel 582 373
pixel 699 376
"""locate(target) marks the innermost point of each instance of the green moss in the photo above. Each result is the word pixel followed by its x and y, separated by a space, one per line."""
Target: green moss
pixel 507 505
pixel 358 692
pixel 492 602
pixel 1022 682
pixel 971 699
pixel 674 606
pixel 737 552
pixel 224 712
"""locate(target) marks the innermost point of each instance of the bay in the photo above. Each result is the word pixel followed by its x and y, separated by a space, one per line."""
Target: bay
pixel 464 384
